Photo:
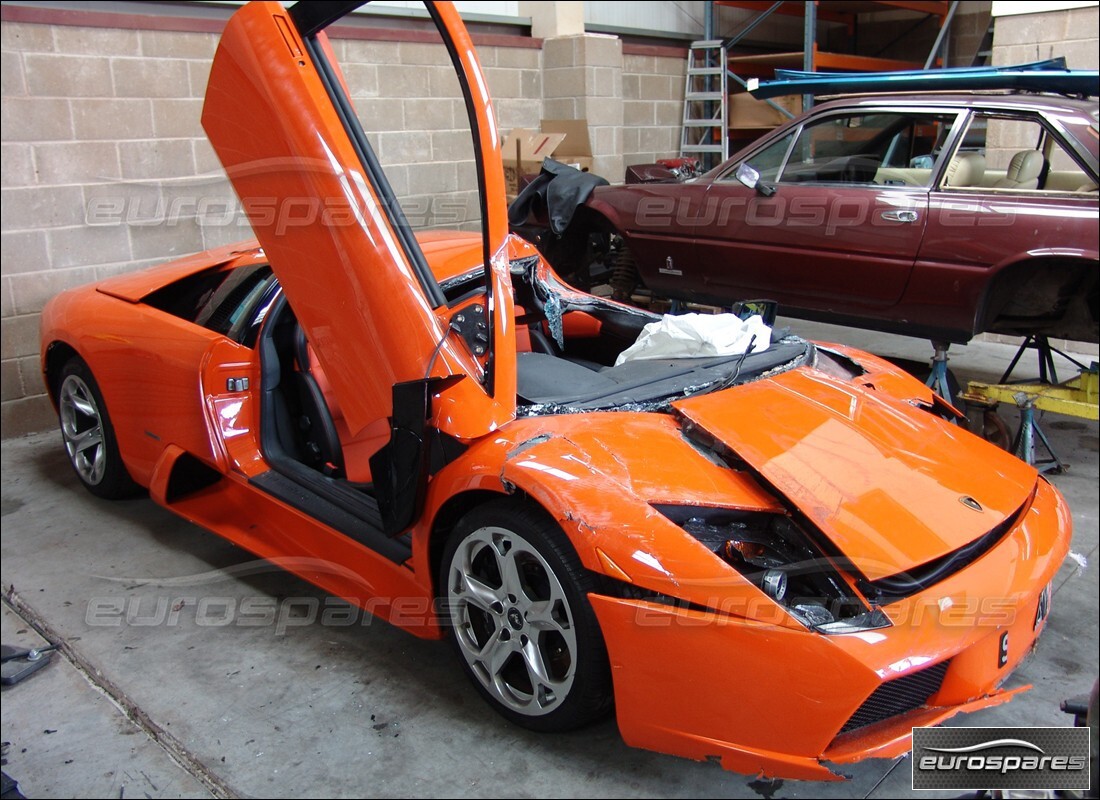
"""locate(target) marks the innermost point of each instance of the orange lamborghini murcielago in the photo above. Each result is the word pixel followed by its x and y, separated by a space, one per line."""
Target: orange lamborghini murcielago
pixel 782 558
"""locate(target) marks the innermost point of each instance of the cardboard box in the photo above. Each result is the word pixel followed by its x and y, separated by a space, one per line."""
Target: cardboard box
pixel 564 140
pixel 576 149
pixel 745 111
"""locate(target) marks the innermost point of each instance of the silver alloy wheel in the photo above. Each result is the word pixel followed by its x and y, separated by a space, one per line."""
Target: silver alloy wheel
pixel 82 430
pixel 512 620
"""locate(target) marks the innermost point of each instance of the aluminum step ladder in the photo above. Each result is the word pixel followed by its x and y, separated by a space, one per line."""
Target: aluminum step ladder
pixel 706 104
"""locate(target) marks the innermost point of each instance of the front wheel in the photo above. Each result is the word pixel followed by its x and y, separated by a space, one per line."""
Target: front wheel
pixel 88 434
pixel 515 597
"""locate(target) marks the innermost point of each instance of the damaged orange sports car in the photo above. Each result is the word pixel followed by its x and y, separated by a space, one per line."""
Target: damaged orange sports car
pixel 775 553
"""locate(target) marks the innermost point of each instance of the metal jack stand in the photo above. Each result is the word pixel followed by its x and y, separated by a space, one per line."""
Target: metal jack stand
pixel 1023 447
pixel 1041 344
pixel 1076 397
pixel 937 379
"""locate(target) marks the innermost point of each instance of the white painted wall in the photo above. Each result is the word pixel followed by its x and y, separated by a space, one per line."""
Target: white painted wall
pixel 683 17
pixel 1006 8
pixel 496 8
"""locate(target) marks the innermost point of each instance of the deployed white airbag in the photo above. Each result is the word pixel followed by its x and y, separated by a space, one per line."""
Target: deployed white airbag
pixel 698 336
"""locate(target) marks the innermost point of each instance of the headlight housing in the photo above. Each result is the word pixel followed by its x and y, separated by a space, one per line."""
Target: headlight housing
pixel 774 554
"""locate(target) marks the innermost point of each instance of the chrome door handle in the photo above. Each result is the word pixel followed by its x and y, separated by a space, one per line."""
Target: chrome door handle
pixel 900 216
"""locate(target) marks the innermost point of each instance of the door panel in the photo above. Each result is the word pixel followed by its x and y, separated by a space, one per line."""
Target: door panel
pixel 230 382
pixel 808 244
pixel 842 230
pixel 659 221
pixel 374 316
pixel 147 364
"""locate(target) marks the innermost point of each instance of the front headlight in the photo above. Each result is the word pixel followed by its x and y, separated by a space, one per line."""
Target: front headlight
pixel 774 554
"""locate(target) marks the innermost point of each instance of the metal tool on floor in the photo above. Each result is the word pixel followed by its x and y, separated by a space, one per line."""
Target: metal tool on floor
pixel 19 663
pixel 1076 397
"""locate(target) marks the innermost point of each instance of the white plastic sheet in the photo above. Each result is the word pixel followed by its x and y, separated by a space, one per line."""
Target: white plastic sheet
pixel 698 336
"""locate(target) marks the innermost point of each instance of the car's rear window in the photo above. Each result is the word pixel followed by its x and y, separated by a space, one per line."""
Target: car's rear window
pixel 215 299
pixel 233 297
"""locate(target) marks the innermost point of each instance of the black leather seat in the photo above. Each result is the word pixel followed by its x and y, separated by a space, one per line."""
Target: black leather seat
pixel 316 429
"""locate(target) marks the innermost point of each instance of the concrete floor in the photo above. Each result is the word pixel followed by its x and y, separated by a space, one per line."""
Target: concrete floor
pixel 189 669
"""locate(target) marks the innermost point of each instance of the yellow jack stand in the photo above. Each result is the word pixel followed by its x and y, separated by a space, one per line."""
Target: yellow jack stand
pixel 1076 397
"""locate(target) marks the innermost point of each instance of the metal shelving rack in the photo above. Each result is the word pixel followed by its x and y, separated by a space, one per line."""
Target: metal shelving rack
pixel 811 57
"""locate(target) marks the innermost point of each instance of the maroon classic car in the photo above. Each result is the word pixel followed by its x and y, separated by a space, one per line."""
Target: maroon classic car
pixel 934 215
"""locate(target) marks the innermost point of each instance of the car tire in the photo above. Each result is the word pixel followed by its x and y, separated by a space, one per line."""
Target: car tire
pixel 514 598
pixel 88 434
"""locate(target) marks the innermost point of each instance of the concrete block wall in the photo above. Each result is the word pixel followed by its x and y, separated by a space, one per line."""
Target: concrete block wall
pixel 653 106
pixel 99 125
pixel 106 168
pixel 1073 33
pixel 410 103
pixel 967 33
pixel 583 79
pixel 632 97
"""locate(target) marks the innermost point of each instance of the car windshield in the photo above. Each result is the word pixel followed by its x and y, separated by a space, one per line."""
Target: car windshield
pixel 419 130
pixel 567 369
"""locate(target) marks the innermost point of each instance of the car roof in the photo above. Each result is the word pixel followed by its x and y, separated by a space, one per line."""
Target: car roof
pixel 1016 102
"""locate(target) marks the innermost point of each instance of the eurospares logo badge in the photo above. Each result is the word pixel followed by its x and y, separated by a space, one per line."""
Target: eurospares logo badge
pixel 1001 758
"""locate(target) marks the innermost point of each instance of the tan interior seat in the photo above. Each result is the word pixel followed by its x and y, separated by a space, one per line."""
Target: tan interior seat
pixel 1023 171
pixel 965 169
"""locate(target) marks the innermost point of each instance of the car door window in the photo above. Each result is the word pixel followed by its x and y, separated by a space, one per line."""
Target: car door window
pixel 768 161
pixel 1014 153
pixel 416 121
pixel 879 148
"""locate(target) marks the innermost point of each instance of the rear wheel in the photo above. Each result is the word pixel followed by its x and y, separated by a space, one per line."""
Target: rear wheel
pixel 515 595
pixel 88 434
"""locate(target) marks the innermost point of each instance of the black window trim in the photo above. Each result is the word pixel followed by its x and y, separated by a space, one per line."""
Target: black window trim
pixel 1049 128
pixel 310 18
pixel 961 115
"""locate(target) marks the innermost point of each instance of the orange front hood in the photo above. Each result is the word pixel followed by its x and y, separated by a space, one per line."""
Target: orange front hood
pixel 884 480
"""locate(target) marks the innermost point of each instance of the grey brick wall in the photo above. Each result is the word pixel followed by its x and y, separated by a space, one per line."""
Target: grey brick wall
pixel 1073 33
pixel 106 168
pixel 583 79
pixel 92 119
pixel 653 107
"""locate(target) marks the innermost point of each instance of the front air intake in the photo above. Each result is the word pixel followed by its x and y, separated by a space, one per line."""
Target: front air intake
pixel 898 696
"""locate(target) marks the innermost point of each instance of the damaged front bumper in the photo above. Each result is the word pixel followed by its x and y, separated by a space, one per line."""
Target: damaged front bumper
pixel 772 700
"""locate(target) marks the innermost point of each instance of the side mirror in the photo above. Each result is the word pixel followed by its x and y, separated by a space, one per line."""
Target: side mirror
pixel 750 177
